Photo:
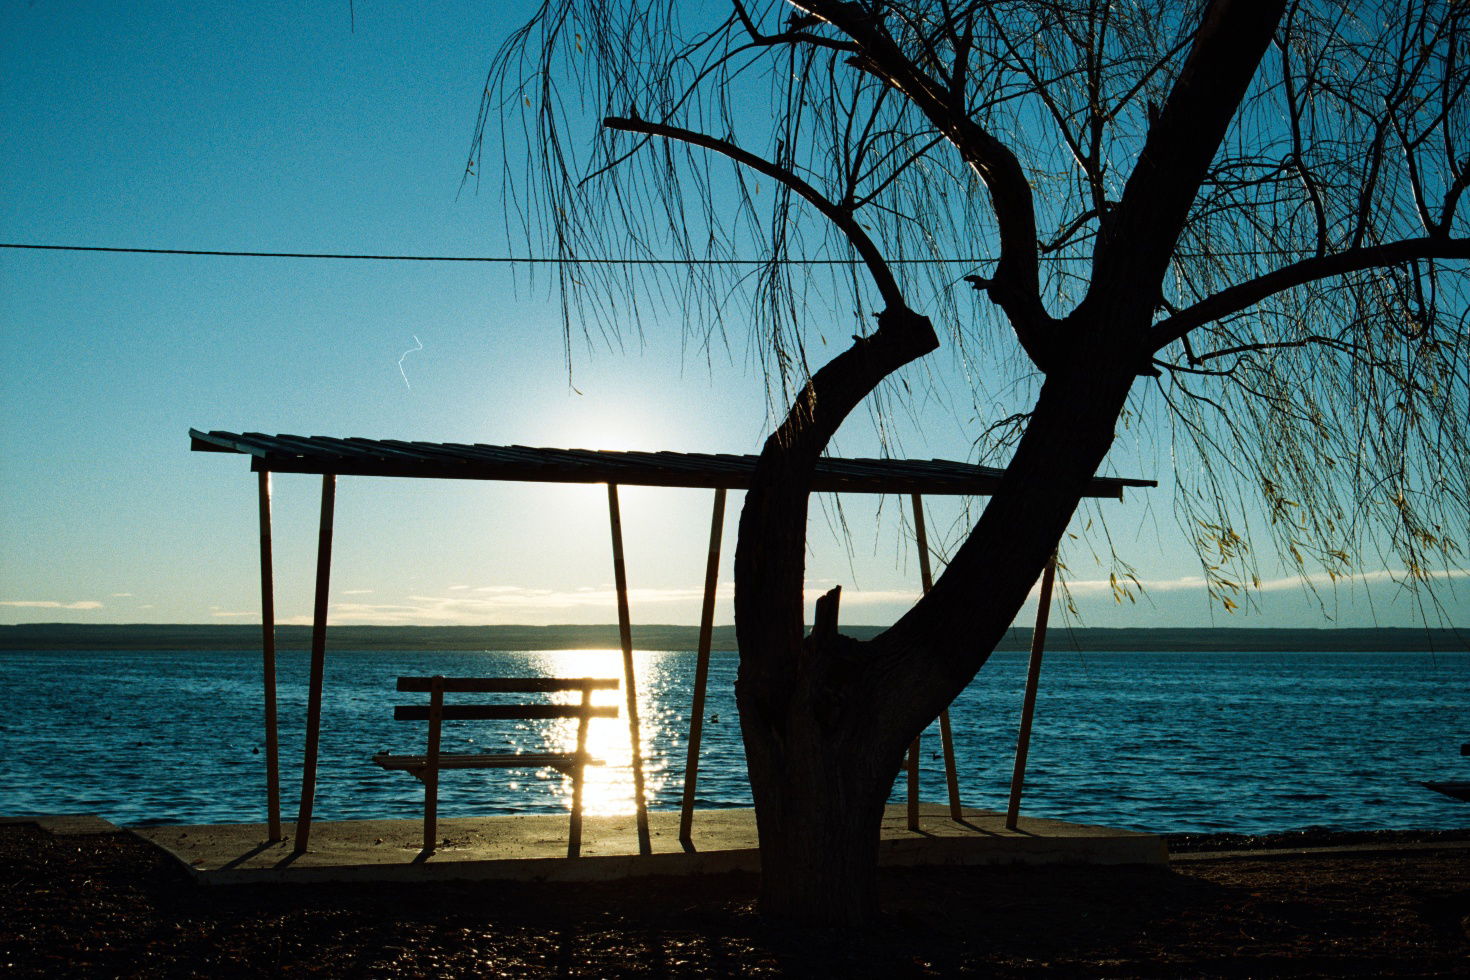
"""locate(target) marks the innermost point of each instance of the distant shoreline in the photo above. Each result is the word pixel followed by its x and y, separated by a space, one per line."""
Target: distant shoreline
pixel 75 636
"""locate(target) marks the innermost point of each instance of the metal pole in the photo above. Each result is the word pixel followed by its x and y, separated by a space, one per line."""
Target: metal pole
pixel 318 663
pixel 701 670
pixel 630 687
pixel 1028 704
pixel 268 651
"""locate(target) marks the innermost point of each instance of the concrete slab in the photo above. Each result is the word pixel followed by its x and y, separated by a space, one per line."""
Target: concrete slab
pixel 532 847
pixel 66 824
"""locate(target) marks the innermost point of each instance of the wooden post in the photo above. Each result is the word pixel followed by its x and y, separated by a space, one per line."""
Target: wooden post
pixel 1028 704
pixel 318 663
pixel 913 782
pixel 579 772
pixel 701 669
pixel 625 633
pixel 916 745
pixel 431 763
pixel 946 733
pixel 268 671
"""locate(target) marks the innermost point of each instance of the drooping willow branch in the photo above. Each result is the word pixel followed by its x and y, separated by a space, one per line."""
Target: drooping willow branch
pixel 840 216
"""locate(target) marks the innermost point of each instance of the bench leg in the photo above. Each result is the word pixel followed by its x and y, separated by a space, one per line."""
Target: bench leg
pixel 574 834
pixel 431 808
pixel 431 760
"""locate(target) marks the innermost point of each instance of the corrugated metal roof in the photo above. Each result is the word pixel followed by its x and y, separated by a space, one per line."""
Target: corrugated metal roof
pixel 464 461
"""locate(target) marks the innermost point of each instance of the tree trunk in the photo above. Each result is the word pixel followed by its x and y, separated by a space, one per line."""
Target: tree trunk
pixel 826 719
pixel 819 804
pixel 820 778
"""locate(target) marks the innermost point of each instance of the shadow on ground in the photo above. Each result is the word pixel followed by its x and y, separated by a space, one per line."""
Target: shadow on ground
pixel 107 904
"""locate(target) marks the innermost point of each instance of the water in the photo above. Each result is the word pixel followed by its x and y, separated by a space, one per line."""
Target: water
pixel 1161 742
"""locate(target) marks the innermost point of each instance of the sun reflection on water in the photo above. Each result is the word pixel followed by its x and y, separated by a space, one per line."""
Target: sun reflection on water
pixel 608 789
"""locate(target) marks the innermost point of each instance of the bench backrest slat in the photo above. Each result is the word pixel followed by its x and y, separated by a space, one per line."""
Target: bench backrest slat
pixel 503 712
pixel 510 685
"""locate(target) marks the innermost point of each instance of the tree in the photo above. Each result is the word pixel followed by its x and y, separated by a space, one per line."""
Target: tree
pixel 1240 216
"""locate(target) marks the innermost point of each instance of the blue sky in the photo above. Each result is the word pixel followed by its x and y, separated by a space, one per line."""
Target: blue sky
pixel 279 127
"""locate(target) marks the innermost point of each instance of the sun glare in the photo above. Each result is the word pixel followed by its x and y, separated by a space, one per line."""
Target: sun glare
pixel 610 434
pixel 620 429
pixel 607 789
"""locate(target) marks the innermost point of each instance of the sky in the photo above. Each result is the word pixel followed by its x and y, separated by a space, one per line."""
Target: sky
pixel 345 128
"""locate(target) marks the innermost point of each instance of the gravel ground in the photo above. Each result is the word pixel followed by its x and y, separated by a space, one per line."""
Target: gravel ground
pixel 110 905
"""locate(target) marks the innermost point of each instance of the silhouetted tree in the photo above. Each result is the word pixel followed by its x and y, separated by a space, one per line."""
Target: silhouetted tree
pixel 1251 205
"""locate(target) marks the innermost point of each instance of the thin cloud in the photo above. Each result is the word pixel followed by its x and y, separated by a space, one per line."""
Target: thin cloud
pixel 865 597
pixel 473 605
pixel 1194 583
pixel 503 589
pixel 49 604
pixel 503 597
pixel 510 603
pixel 1395 576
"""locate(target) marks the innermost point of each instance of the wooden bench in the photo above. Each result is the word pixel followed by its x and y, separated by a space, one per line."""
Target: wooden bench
pixel 427 766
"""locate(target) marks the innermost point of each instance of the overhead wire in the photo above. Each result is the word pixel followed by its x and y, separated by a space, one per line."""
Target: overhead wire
pixel 502 259
pixel 573 260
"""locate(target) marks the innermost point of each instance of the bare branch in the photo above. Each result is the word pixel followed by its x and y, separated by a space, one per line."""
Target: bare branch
pixel 1140 239
pixel 1243 296
pixel 786 37
pixel 840 216
pixel 1015 285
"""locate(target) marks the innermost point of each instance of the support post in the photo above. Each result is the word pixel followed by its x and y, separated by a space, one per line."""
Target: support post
pixel 913 782
pixel 431 763
pixel 630 687
pixel 701 671
pixel 268 666
pixel 318 663
pixel 1028 704
pixel 946 733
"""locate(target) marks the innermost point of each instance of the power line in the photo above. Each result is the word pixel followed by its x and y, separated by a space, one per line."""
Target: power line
pixel 548 260
pixel 500 259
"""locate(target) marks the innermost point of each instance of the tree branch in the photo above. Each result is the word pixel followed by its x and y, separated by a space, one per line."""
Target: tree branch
pixel 1139 240
pixel 1015 286
pixel 1452 198
pixel 842 217
pixel 769 602
pixel 1294 112
pixel 1241 297
pixel 793 36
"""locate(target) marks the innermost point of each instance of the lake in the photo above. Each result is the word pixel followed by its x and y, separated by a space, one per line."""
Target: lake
pixel 1165 742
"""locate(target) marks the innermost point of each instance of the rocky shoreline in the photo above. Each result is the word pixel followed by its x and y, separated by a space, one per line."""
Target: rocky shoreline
pixel 107 904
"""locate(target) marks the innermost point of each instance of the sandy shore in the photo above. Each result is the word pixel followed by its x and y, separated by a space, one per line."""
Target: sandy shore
pixel 109 905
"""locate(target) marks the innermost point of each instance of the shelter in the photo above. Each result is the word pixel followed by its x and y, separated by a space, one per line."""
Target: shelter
pixel 332 458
